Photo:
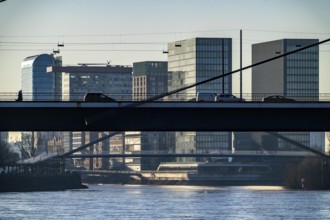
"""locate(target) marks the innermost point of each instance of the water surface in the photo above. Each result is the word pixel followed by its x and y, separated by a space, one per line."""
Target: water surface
pixel 167 202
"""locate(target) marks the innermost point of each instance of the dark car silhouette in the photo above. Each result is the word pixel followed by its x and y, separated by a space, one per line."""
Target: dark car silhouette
pixel 277 98
pixel 227 98
pixel 97 97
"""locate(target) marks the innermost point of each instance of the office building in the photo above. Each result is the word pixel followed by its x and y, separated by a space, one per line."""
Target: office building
pixel 112 81
pixel 295 76
pixel 191 61
pixel 37 83
pixel 40 85
pixel 150 78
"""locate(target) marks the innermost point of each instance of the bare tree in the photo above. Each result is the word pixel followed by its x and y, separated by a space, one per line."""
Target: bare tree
pixel 6 155
pixel 28 144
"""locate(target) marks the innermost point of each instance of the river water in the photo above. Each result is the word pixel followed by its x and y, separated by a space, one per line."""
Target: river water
pixel 167 202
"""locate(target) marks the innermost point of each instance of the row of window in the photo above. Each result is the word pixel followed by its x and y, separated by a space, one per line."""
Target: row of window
pixel 201 67
pixel 212 61
pixel 302 71
pixel 313 93
pixel 211 54
pixel 302 86
pixel 302 78
pixel 213 72
pixel 302 64
pixel 213 41
pixel 309 50
pixel 217 81
pixel 139 81
pixel 303 56
pixel 212 47
pixel 216 88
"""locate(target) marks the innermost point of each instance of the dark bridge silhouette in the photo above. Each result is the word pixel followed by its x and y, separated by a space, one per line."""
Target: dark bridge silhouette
pixel 164 116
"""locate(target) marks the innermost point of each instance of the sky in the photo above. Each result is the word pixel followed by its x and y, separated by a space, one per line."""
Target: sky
pixel 128 31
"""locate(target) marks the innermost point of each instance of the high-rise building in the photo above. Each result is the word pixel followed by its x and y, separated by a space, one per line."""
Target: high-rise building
pixel 294 76
pixel 37 83
pixel 191 61
pixel 149 79
pixel 40 85
pixel 113 81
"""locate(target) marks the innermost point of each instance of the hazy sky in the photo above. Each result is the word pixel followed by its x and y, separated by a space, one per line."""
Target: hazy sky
pixel 128 31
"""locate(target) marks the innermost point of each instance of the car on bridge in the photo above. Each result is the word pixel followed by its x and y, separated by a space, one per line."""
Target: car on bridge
pixel 97 97
pixel 277 99
pixel 227 98
pixel 213 97
pixel 205 97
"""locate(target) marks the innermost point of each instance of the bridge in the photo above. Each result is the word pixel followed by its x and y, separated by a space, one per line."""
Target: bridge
pixel 164 116
pixel 149 115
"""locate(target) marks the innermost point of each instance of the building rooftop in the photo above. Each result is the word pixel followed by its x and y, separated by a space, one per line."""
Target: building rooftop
pixel 90 69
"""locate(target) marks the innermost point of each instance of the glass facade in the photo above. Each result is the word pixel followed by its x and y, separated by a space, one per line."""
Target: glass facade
pixel 295 76
pixel 37 84
pixel 301 70
pixel 117 85
pixel 192 61
pixel 301 75
pixel 149 79
pixel 40 85
pixel 113 81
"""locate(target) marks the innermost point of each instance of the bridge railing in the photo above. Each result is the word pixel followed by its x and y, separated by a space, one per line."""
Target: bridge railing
pixel 79 97
pixel 208 153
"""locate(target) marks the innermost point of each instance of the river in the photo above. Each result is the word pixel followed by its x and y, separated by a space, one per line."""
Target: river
pixel 167 202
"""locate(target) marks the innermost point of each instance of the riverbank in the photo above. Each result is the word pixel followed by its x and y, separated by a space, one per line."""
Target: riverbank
pixel 204 174
pixel 21 183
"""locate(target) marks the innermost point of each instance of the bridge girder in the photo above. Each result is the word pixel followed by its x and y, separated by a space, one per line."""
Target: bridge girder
pixel 165 117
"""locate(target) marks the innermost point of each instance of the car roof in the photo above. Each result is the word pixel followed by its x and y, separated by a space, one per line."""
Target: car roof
pixel 227 95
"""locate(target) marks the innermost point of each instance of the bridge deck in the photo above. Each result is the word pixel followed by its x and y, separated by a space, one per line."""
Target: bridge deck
pixel 164 116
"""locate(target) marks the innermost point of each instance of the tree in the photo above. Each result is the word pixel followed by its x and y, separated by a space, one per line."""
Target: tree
pixel 6 155
pixel 28 144
pixel 312 172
